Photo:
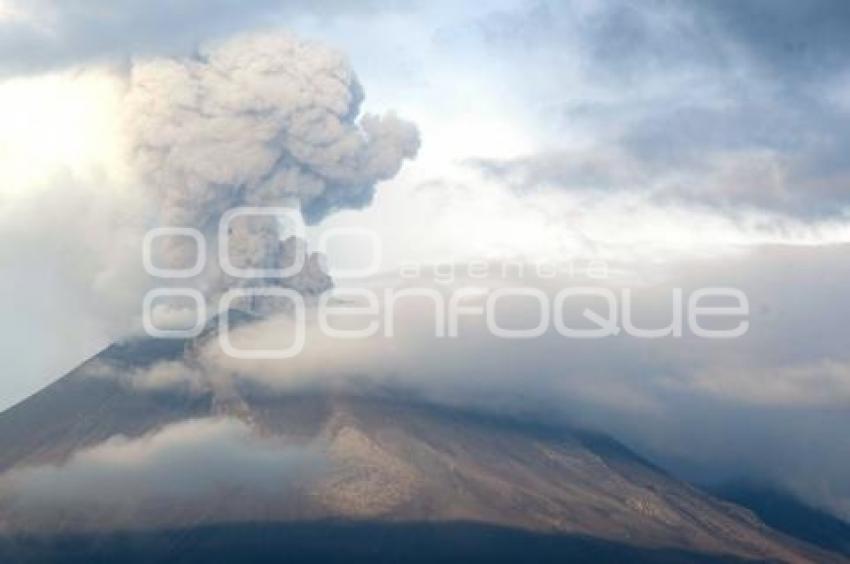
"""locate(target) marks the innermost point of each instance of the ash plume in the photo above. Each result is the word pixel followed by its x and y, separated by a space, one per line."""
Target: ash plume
pixel 258 120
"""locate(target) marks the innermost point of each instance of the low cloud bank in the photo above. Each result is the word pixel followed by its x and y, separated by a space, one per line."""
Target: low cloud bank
pixel 754 403
pixel 180 469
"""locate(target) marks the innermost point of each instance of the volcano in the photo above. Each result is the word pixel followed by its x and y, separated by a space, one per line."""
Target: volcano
pixel 387 477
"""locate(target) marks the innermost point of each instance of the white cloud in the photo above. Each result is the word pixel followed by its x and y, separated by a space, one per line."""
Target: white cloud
pixel 119 482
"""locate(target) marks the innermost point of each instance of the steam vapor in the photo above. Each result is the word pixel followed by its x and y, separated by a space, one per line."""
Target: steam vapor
pixel 258 120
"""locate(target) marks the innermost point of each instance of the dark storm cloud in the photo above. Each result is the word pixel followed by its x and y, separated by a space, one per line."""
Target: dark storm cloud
pixel 792 39
pixel 46 34
pixel 52 34
pixel 692 90
pixel 785 37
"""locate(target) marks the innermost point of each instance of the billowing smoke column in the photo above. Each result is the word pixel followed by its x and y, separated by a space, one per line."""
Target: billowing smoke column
pixel 259 120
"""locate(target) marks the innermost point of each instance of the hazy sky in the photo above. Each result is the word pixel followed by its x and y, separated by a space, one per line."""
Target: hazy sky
pixel 685 143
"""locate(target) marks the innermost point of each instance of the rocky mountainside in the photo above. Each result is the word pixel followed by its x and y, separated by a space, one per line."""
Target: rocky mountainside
pixel 375 461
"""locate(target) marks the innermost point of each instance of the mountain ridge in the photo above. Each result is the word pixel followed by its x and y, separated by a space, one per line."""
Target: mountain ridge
pixel 386 461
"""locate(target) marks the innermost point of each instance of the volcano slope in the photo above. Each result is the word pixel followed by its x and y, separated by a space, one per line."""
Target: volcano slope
pixel 96 467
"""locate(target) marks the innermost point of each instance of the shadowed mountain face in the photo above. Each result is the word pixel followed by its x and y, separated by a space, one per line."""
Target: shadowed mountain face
pixel 784 512
pixel 380 473
pixel 329 541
